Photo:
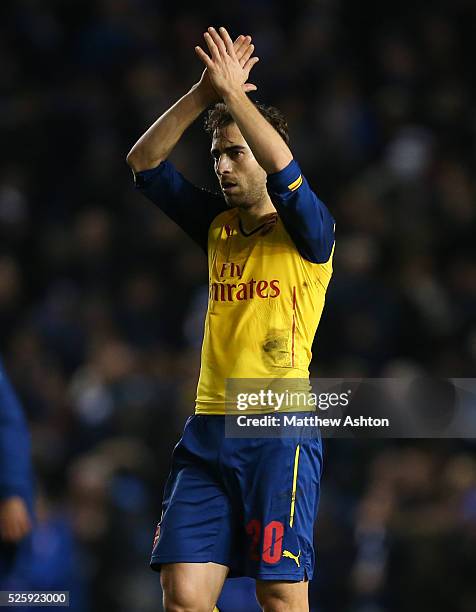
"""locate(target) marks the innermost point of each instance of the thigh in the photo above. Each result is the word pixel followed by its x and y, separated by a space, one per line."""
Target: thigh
pixel 183 585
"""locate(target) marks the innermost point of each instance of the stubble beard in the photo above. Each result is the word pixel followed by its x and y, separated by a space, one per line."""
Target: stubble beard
pixel 248 199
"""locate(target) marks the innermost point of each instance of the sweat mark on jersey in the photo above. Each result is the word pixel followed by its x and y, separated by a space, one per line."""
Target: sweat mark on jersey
pixel 276 348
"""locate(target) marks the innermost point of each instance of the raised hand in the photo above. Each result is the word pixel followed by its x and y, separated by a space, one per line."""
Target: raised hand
pixel 229 64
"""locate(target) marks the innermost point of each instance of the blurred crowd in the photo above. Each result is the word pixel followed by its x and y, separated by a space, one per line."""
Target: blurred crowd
pixel 102 298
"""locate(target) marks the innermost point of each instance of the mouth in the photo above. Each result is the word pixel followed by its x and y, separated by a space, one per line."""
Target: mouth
pixel 228 186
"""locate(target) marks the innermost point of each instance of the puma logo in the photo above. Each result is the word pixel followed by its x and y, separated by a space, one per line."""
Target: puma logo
pixel 290 555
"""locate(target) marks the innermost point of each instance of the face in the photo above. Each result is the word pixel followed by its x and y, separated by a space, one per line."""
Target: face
pixel 242 179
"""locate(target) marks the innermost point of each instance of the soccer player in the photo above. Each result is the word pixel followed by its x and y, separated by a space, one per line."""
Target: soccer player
pixel 16 488
pixel 236 506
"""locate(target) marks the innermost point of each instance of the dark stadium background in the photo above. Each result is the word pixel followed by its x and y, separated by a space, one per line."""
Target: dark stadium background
pixel 102 298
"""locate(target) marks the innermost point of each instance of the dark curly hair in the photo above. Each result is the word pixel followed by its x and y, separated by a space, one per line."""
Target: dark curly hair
pixel 219 117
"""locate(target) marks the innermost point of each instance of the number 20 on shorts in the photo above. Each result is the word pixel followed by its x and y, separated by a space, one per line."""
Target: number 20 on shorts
pixel 272 540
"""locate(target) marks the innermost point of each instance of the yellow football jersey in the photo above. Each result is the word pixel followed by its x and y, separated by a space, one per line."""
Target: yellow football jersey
pixel 266 288
pixel 265 302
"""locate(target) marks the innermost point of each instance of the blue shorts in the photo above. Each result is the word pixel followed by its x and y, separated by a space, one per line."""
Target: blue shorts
pixel 248 504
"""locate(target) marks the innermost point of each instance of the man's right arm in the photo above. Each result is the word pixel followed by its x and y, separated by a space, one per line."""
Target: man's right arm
pixel 157 143
pixel 193 209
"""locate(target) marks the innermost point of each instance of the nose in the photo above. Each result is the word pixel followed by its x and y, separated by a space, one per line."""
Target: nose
pixel 223 164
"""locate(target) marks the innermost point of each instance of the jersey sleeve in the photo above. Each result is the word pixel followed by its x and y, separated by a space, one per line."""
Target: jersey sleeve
pixel 15 466
pixel 306 219
pixel 192 208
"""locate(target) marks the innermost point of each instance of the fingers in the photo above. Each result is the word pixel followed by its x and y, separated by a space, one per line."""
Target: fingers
pixel 238 42
pixel 228 42
pixel 221 43
pixel 216 40
pixel 213 49
pixel 246 55
pixel 250 63
pixel 242 47
pixel 203 56
pixel 221 47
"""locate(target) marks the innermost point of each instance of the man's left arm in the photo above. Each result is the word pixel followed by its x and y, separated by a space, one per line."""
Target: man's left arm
pixel 304 216
pixel 306 219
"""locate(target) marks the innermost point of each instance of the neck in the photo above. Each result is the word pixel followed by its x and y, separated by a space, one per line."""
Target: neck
pixel 252 217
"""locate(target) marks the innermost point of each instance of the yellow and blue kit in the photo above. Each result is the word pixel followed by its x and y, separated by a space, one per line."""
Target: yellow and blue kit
pixel 249 504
